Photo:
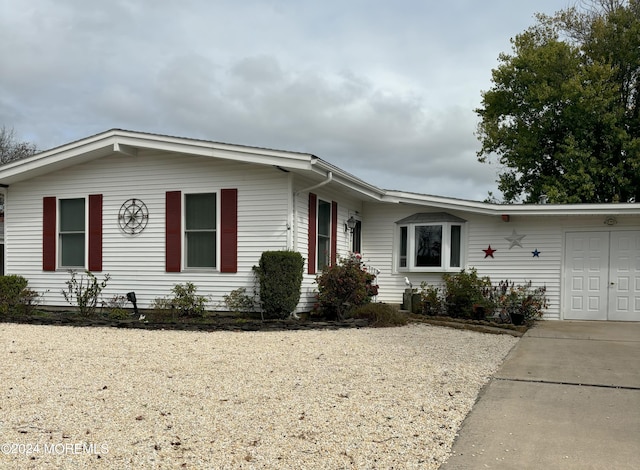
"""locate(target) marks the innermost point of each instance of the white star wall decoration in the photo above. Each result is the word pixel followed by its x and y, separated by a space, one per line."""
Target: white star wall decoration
pixel 514 239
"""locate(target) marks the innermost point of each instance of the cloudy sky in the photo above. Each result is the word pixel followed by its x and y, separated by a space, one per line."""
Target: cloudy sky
pixel 383 89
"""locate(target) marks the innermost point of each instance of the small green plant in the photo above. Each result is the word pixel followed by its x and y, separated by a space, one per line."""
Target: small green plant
pixel 380 315
pixel 15 296
pixel 344 286
pixel 84 292
pixel 279 275
pixel 116 307
pixel 161 304
pixel 185 301
pixel 238 301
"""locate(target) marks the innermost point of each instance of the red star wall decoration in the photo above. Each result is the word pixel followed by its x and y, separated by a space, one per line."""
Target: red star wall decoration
pixel 489 252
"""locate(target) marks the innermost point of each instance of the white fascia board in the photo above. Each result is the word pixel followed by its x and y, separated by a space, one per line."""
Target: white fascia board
pixel 127 142
pixel 514 209
pixel 440 202
pixel 53 160
pixel 570 209
pixel 224 151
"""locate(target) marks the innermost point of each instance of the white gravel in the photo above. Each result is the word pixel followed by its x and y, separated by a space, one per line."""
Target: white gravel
pixel 354 398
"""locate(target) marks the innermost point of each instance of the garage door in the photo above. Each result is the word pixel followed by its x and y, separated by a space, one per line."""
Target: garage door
pixel 602 276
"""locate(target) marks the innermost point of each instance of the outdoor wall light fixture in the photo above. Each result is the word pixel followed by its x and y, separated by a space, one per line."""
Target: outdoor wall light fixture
pixel 350 224
pixel 610 221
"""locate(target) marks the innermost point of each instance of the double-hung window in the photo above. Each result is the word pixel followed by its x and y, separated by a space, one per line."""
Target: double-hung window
pixel 200 230
pixel 324 234
pixel 72 233
pixel 430 242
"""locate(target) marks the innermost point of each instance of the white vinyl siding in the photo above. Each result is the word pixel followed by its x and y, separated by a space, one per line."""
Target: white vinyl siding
pixel 517 264
pixel 137 263
pixel 347 206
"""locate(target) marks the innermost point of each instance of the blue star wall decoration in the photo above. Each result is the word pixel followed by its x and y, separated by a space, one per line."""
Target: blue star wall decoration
pixel 535 253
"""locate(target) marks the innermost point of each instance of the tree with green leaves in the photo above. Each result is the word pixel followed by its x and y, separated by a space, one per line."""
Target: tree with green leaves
pixel 11 149
pixel 562 116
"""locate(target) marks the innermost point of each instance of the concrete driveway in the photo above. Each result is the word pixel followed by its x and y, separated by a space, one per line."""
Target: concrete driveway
pixel 566 397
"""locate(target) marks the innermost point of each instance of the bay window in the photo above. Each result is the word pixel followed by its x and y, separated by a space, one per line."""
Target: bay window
pixel 430 242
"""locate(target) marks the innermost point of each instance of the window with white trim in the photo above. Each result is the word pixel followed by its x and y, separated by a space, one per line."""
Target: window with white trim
pixel 430 242
pixel 71 233
pixel 200 230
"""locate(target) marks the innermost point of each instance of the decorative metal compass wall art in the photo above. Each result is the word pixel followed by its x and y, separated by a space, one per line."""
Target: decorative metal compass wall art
pixel 133 216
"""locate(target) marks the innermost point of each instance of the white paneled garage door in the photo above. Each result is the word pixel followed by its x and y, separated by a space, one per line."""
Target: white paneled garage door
pixel 602 276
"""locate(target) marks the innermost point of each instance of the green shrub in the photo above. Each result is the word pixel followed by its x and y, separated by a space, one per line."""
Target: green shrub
pixel 343 287
pixel 15 296
pixel 238 301
pixel 279 275
pixel 432 299
pixel 84 292
pixel 380 315
pixel 465 289
pixel 185 301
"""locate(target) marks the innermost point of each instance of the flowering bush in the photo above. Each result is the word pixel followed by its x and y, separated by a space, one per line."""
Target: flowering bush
pixel 522 299
pixel 343 286
pixel 463 292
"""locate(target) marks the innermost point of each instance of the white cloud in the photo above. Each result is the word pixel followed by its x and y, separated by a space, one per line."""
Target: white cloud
pixel 385 90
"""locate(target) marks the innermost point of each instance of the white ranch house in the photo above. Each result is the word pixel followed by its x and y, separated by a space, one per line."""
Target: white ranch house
pixel 154 211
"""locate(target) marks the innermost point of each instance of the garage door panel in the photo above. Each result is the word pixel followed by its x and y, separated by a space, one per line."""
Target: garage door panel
pixel 624 292
pixel 577 302
pixel 623 304
pixel 603 276
pixel 587 255
pixel 623 284
pixel 595 284
pixel 594 304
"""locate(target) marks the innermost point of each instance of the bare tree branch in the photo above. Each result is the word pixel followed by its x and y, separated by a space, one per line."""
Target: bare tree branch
pixel 12 150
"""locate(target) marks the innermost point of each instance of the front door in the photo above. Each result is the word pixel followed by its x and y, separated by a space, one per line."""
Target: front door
pixel 602 276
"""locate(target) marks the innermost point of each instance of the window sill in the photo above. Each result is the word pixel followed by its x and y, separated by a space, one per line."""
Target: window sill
pixel 200 270
pixel 430 270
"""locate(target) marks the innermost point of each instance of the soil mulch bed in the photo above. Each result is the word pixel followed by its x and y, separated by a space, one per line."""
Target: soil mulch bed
pixel 483 326
pixel 236 323
pixel 210 323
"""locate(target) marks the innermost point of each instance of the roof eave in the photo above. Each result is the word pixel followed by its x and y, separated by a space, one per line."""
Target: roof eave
pixel 128 143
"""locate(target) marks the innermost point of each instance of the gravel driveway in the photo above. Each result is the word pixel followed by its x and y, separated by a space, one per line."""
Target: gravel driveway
pixel 354 398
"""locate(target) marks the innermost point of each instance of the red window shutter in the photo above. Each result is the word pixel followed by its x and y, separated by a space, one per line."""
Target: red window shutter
pixel 95 232
pixel 334 232
pixel 173 231
pixel 49 206
pixel 229 230
pixel 313 215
